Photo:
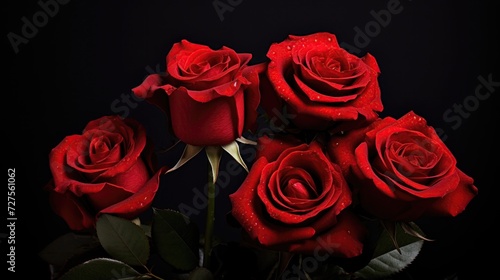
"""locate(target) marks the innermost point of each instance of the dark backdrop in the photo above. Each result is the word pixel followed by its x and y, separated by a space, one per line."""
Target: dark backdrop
pixel 79 60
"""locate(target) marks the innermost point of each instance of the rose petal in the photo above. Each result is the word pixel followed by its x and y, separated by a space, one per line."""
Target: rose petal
pixel 344 240
pixel 139 201
pixel 367 104
pixel 216 122
pixel 272 147
pixel 252 94
pixel 108 195
pixel 456 201
pixel 67 206
pixel 247 210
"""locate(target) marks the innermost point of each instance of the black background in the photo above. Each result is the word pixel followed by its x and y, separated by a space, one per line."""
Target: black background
pixel 89 54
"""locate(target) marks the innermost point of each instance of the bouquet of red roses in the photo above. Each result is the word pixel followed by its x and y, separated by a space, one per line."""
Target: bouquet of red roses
pixel 332 191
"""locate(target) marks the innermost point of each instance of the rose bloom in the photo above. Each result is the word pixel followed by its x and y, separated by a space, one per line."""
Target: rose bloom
pixel 321 84
pixel 401 170
pixel 294 199
pixel 210 96
pixel 109 168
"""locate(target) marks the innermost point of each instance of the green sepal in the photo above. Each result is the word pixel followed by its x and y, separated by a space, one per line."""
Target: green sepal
pixel 201 273
pixel 233 149
pixel 189 152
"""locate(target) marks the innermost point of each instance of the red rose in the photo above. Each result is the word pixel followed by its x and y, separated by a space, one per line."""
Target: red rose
pixel 294 199
pixel 321 83
pixel 109 168
pixel 402 170
pixel 210 95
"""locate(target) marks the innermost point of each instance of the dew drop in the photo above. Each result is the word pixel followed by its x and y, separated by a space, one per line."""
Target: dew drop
pixel 329 39
pixel 288 47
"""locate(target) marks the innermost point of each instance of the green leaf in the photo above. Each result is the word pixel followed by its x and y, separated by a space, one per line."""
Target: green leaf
pixel 390 229
pixel 66 246
pixel 147 229
pixel 393 237
pixel 102 269
pixel 122 239
pixel 395 250
pixel 201 273
pixel 176 238
pixel 391 262
pixel 267 260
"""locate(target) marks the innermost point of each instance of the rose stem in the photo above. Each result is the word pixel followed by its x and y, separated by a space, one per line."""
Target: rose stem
pixel 209 226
